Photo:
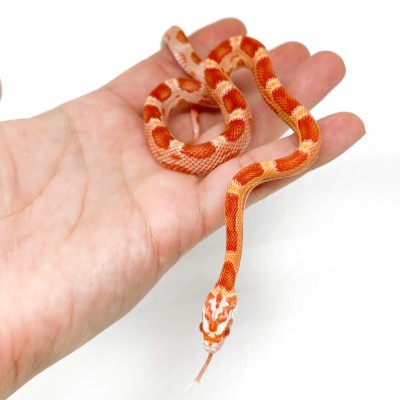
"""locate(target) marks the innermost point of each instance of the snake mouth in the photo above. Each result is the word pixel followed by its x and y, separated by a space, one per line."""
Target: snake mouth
pixel 213 344
pixel 213 347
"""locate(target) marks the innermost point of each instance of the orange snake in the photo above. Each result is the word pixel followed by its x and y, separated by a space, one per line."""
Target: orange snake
pixel 211 86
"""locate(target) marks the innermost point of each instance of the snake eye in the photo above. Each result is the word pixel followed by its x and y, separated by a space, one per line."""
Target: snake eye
pixel 201 327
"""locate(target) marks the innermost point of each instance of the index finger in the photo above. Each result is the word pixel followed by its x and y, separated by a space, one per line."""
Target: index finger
pixel 135 84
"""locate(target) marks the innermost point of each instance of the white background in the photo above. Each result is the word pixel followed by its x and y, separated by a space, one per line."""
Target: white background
pixel 319 288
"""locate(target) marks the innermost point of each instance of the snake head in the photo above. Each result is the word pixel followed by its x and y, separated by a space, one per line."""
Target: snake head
pixel 218 314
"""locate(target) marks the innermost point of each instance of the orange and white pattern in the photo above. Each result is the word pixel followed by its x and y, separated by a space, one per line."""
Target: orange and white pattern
pixel 211 86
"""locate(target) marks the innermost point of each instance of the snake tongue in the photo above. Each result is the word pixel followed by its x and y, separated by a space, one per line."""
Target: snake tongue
pixel 203 369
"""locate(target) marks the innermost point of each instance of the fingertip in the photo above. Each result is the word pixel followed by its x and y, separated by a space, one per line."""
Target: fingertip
pixel 226 27
pixel 209 36
pixel 298 48
pixel 234 25
pixel 352 123
pixel 340 131
pixel 355 126
pixel 339 61
pixel 335 62
pixel 287 55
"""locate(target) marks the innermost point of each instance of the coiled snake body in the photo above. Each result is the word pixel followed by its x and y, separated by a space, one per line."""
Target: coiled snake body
pixel 211 86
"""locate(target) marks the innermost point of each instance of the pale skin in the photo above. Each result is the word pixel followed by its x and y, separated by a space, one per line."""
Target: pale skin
pixel 89 222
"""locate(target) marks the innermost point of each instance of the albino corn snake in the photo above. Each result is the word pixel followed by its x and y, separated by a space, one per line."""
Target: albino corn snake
pixel 211 86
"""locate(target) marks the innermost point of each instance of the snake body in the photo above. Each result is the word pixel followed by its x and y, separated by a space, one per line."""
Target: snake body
pixel 210 85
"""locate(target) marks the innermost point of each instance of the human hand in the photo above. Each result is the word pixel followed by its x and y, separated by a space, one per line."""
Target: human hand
pixel 89 221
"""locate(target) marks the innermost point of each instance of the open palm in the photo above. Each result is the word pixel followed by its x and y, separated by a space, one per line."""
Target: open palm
pixel 89 221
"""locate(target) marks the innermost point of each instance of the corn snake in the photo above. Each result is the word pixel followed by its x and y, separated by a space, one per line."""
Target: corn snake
pixel 209 85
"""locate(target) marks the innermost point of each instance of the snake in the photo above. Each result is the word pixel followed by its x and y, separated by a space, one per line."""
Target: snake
pixel 208 84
